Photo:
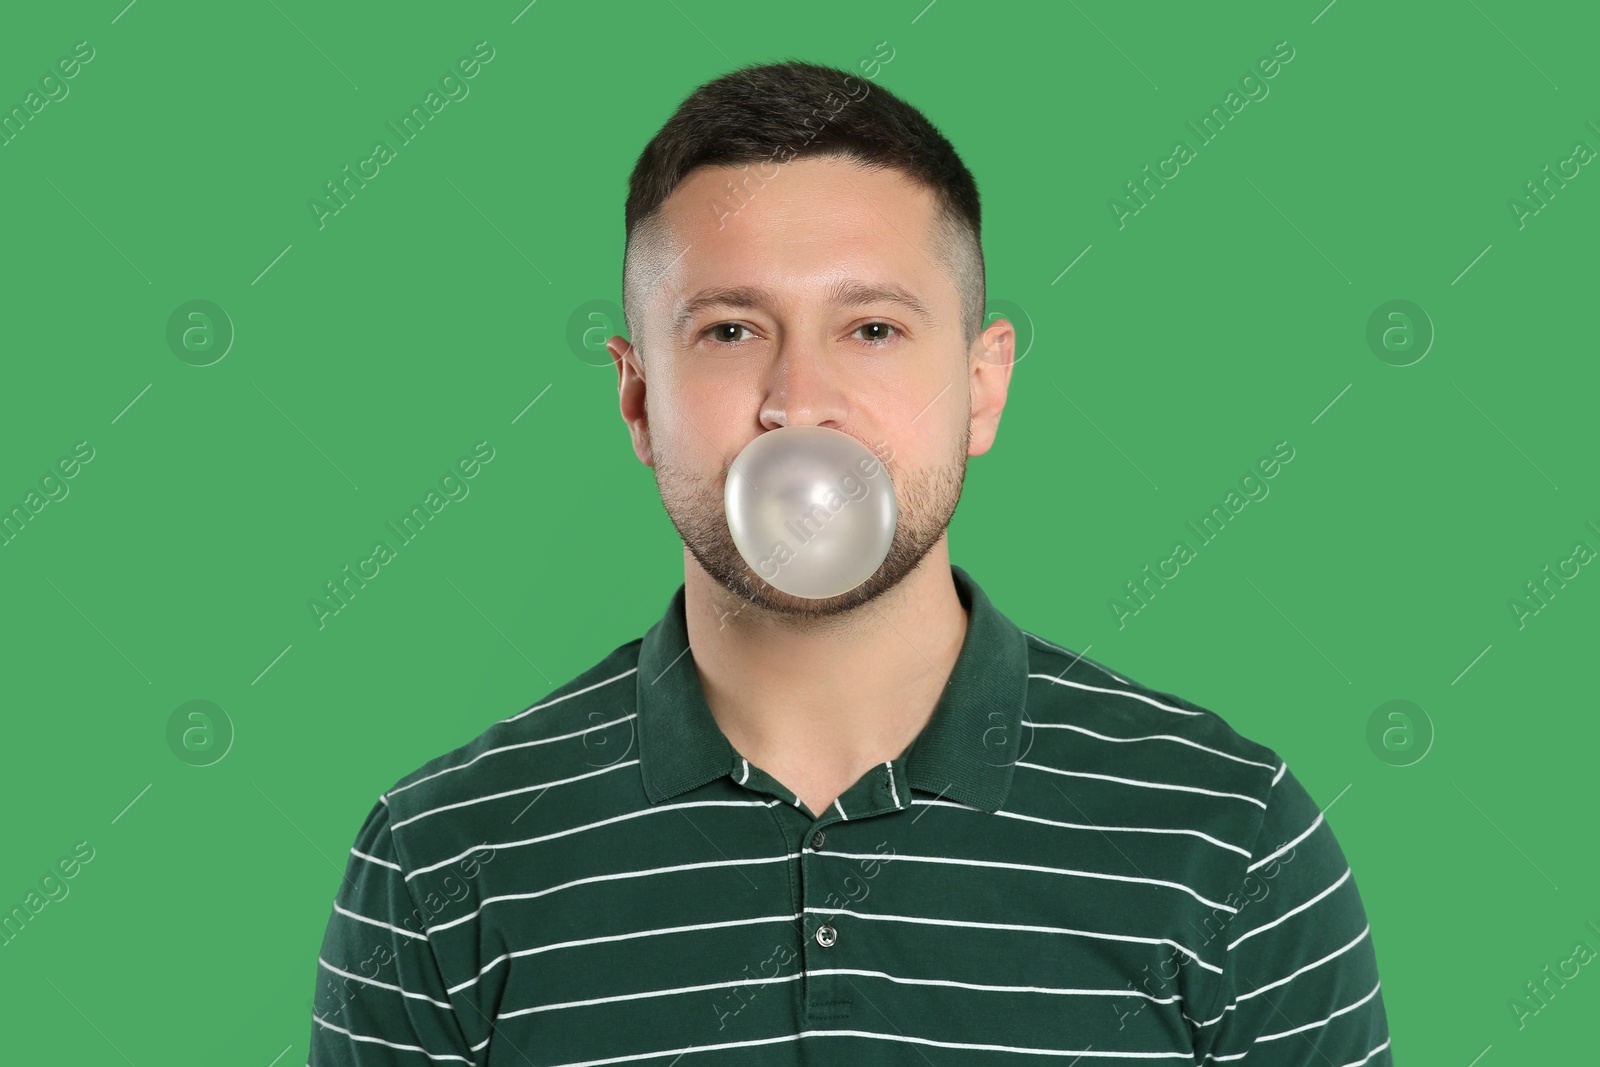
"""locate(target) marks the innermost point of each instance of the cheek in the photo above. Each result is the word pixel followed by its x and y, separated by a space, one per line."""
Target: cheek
pixel 705 415
pixel 929 438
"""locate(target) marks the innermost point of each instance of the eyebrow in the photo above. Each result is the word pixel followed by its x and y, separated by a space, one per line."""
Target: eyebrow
pixel 847 292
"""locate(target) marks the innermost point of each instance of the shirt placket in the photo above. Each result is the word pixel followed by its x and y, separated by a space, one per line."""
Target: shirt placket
pixel 840 851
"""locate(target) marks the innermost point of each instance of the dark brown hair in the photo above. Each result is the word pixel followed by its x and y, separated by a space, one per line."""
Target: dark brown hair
pixel 775 113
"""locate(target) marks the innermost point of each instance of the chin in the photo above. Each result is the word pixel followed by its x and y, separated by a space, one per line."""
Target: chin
pixel 728 569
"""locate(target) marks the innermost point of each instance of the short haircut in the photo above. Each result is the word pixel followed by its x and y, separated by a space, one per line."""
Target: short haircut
pixel 775 113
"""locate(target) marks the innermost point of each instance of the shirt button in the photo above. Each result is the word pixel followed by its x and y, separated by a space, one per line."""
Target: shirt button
pixel 816 841
pixel 826 936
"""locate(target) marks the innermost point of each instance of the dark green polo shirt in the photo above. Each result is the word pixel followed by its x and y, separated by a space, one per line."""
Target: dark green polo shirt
pixel 1064 866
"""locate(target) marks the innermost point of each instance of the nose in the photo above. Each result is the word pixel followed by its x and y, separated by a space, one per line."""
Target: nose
pixel 804 389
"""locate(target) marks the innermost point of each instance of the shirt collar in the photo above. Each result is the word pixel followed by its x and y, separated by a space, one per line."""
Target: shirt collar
pixel 966 752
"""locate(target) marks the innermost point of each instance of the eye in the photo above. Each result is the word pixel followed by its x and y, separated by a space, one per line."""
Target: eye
pixel 727 333
pixel 884 338
pixel 715 334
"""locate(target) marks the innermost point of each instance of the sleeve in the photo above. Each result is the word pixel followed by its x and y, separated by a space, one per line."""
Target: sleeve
pixel 1299 984
pixel 381 999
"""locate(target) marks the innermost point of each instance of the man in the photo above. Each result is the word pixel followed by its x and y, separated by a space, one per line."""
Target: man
pixel 887 827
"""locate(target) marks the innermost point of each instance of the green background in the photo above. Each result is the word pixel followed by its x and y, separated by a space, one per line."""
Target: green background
pixel 370 355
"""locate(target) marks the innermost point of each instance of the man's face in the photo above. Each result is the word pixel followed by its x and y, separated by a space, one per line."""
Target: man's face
pixel 796 346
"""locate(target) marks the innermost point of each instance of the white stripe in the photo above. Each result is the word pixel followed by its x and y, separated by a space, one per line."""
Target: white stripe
pixel 383 985
pixel 1268 859
pixel 1294 910
pixel 374 859
pixel 951 804
pixel 642 813
pixel 388 1044
pixel 1019 926
pixel 375 922
pixel 569 696
pixel 1077 657
pixel 658 931
pixel 1091 826
pixel 842 815
pixel 679 1052
pixel 1033 867
pixel 904 1038
pixel 1281 981
pixel 1151 737
pixel 511 748
pixel 1368 1056
pixel 1147 785
pixel 619 876
pixel 511 793
pixel 1281 768
pixel 892 790
pixel 1182 1054
pixel 1117 692
pixel 746 776
pixel 647 993
pixel 1114 992
pixel 1320 1023
pixel 492 964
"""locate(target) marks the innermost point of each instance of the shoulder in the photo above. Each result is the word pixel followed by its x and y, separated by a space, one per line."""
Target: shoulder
pixel 446 796
pixel 1066 688
pixel 1157 759
pixel 1149 749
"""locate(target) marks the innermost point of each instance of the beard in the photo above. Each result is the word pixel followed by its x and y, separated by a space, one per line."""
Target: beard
pixel 925 502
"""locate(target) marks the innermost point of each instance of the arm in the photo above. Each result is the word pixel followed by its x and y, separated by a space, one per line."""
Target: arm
pixel 381 999
pixel 1300 976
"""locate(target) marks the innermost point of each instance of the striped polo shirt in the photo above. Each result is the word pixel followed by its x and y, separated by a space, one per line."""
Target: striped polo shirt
pixel 1064 866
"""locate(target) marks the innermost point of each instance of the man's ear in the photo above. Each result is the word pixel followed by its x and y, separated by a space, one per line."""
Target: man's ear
pixel 990 362
pixel 630 395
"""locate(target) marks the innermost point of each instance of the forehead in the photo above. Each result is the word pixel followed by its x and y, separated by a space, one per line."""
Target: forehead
pixel 801 225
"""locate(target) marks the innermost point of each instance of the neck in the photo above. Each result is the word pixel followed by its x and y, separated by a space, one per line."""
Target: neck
pixel 831 696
